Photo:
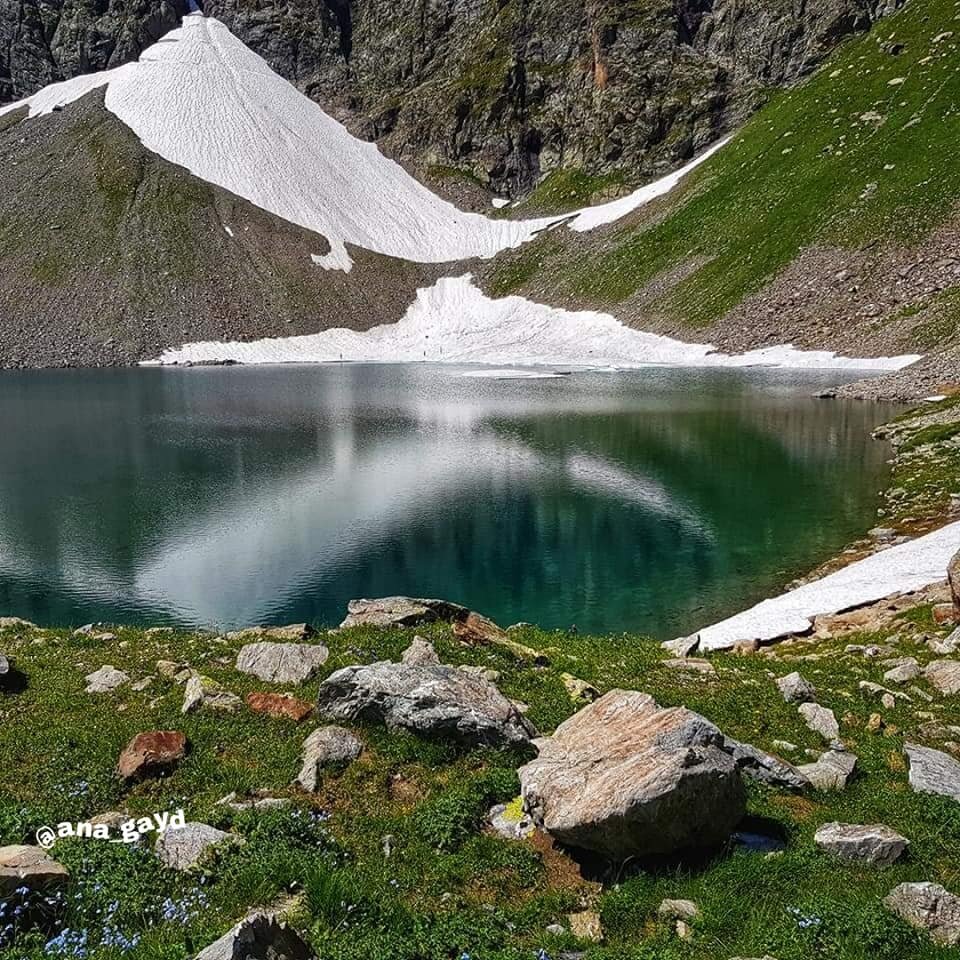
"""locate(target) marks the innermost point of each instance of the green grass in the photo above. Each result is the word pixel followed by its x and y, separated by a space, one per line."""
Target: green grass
pixel 848 157
pixel 449 887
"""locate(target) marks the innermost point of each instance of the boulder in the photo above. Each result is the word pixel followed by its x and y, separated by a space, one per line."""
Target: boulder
pixel 626 777
pixel 873 843
pixel 260 936
pixel 432 701
pixel 932 771
pixel 476 630
pixel 420 653
pixel 280 705
pixel 820 720
pixel 183 848
pixel 151 754
pixel 928 907
pixel 400 612
pixel 795 689
pixel 282 662
pixel 105 679
pixel 682 646
pixel 831 771
pixel 691 665
pixel 765 767
pixel 31 867
pixel 953 578
pixel 905 671
pixel 944 675
pixel 324 747
pixel 204 692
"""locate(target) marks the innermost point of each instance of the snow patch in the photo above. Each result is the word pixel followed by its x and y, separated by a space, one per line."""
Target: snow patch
pixel 455 322
pixel 909 566
pixel 201 99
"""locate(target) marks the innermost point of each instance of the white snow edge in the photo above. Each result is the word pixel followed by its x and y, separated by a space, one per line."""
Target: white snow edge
pixel 901 569
pixel 455 322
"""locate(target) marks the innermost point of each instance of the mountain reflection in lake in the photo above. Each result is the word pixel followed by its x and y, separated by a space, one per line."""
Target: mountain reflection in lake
pixel 654 500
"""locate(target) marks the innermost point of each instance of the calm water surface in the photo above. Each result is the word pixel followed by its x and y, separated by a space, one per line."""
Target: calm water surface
pixel 657 500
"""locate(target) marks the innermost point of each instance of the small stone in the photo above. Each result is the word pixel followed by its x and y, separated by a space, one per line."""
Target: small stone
pixel 678 910
pixel 142 685
pixel 105 679
pixel 795 689
pixel 820 720
pixel 684 930
pixel 282 662
pixel 324 747
pixel 420 653
pixel 875 723
pixel 682 646
pixel 280 705
pixel 256 936
pixel 204 692
pixel 31 867
pixel 888 701
pixel 929 907
pixel 183 848
pixel 168 669
pixel 510 820
pixel 745 648
pixel 785 746
pixel 151 754
pixel 944 675
pixel 904 672
pixel 874 843
pixel 691 665
pixel 485 673
pixel 555 929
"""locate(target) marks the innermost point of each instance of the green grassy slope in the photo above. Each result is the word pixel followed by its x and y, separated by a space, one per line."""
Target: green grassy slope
pixel 863 151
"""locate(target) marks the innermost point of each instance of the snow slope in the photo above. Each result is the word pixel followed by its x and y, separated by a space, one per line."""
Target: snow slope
pixel 201 99
pixel 910 566
pixel 454 322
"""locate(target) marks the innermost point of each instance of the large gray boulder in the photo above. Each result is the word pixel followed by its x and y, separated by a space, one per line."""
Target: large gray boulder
pixel 401 612
pixel 928 907
pixel 432 701
pixel 183 848
pixel 282 662
pixel 861 843
pixel 626 777
pixel 260 936
pixel 932 771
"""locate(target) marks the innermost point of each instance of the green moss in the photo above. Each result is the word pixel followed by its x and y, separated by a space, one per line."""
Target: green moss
pixel 570 188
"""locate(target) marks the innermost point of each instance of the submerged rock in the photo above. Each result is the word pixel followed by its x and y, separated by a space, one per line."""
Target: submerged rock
pixel 928 907
pixel 27 866
pixel 873 843
pixel 282 662
pixel 260 936
pixel 625 777
pixel 932 771
pixel 432 701
pixel 326 746
pixel 151 754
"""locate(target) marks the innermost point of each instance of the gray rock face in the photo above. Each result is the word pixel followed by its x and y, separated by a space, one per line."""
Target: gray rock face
pixel 432 701
pixel 400 612
pixel 928 907
pixel 625 777
pixel 944 675
pixel 795 689
pixel 282 662
pixel 325 746
pixel 932 771
pixel 831 771
pixel 26 866
pixel 184 847
pixel 260 936
pixel 820 720
pixel 873 843
pixel 105 679
pixel 420 653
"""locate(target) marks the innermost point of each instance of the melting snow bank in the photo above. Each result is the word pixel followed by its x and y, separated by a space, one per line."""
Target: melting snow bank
pixel 454 322
pixel 203 100
pixel 901 569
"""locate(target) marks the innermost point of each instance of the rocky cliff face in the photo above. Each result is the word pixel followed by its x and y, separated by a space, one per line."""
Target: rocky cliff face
pixel 501 91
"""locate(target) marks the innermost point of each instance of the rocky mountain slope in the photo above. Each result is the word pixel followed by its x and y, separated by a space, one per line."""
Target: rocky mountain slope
pixel 503 92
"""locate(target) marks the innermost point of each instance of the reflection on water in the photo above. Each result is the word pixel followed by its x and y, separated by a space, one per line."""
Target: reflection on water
pixel 652 500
